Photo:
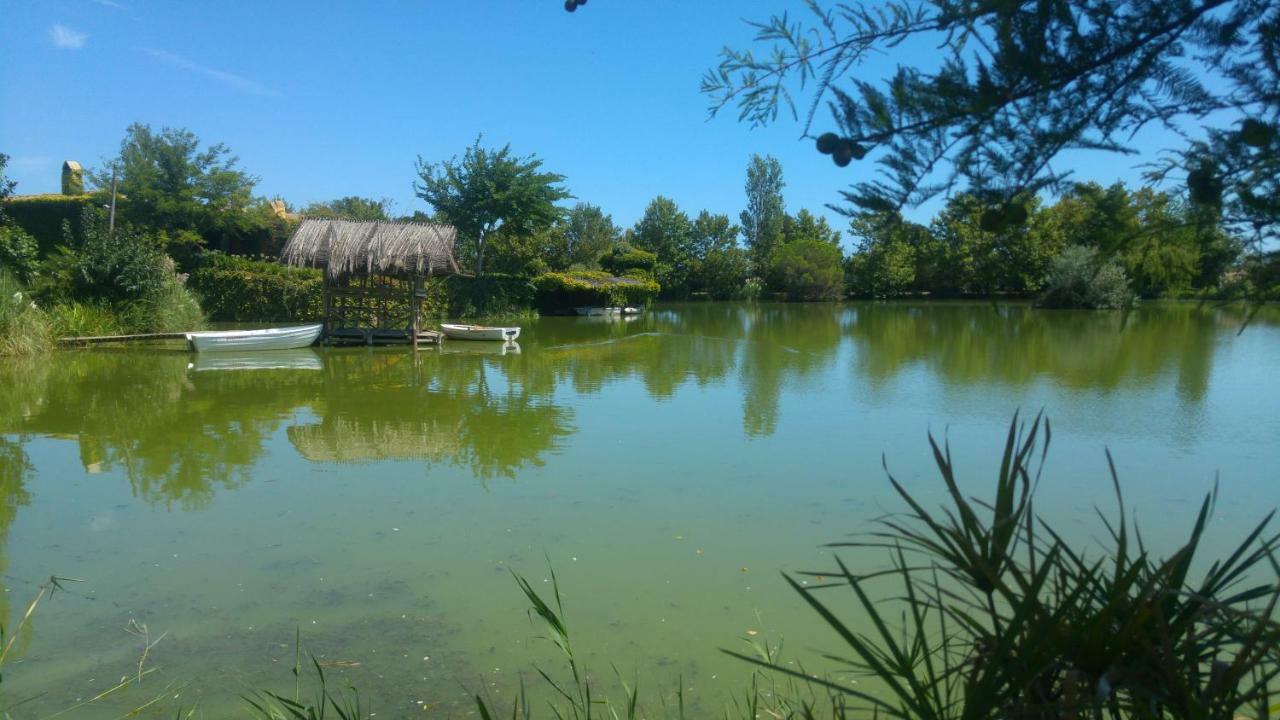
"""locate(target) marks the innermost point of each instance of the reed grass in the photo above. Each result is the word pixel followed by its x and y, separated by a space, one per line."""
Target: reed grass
pixel 24 327
pixel 341 704
pixel 174 309
pixel 999 616
pixel 77 319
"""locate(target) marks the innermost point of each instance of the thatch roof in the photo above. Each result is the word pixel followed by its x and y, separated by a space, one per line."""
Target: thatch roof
pixel 344 247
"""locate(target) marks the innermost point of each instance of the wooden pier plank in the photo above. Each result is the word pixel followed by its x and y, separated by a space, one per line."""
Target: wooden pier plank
pixel 95 339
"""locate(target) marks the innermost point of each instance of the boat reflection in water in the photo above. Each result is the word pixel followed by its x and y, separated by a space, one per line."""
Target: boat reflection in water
pixel 300 359
pixel 479 348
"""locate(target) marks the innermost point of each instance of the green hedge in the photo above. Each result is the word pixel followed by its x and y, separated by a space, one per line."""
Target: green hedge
pixel 492 295
pixel 42 215
pixel 241 289
pixel 560 291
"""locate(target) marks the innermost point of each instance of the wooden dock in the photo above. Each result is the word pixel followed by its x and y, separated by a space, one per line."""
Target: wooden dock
pixel 99 339
pixel 369 336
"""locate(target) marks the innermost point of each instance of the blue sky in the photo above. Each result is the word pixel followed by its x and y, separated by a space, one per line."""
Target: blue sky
pixel 326 99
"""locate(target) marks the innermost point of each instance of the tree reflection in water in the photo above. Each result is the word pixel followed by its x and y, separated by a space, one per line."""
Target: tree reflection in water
pixel 179 434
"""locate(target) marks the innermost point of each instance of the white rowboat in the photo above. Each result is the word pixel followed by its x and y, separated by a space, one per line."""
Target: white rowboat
pixel 480 332
pixel 287 338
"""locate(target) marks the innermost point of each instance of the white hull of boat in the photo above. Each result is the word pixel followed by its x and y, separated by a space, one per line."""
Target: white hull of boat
pixel 480 332
pixel 288 338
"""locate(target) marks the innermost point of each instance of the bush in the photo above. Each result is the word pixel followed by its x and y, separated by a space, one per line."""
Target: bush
pixel 490 295
pixel 1078 279
pixel 808 270
pixel 561 291
pixel 120 266
pixel 623 259
pixel 19 252
pixel 240 289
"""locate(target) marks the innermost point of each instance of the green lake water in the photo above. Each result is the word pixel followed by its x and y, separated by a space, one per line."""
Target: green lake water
pixel 668 467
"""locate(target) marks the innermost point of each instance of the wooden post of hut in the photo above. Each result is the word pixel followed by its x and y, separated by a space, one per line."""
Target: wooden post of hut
pixel 373 275
pixel 417 306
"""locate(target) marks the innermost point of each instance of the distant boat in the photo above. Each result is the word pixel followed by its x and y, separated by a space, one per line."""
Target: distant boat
pixel 631 311
pixel 480 332
pixel 288 338
pixel 590 310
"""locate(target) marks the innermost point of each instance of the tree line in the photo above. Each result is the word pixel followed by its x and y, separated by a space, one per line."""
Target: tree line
pixel 1092 245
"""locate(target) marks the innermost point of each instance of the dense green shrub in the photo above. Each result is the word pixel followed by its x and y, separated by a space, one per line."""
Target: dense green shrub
pixel 119 266
pixel 44 215
pixel 562 291
pixel 1079 279
pixel 489 295
pixel 808 270
pixel 19 252
pixel 624 258
pixel 242 289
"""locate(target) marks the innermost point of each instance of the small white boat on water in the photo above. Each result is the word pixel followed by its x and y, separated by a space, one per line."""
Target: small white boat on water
pixel 630 311
pixel 479 332
pixel 288 338
pixel 589 311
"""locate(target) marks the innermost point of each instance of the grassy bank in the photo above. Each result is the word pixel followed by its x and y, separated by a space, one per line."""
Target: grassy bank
pixel 28 327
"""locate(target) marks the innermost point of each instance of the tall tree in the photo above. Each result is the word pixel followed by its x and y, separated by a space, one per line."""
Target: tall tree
pixel 720 266
pixel 587 233
pixel 173 185
pixel 486 189
pixel 804 225
pixel 665 231
pixel 6 184
pixel 1019 83
pixel 764 218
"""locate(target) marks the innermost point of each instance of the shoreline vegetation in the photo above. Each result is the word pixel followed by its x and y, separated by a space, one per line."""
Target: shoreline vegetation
pixel 183 243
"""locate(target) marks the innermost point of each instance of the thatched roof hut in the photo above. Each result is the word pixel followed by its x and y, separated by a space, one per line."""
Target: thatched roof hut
pixel 347 247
